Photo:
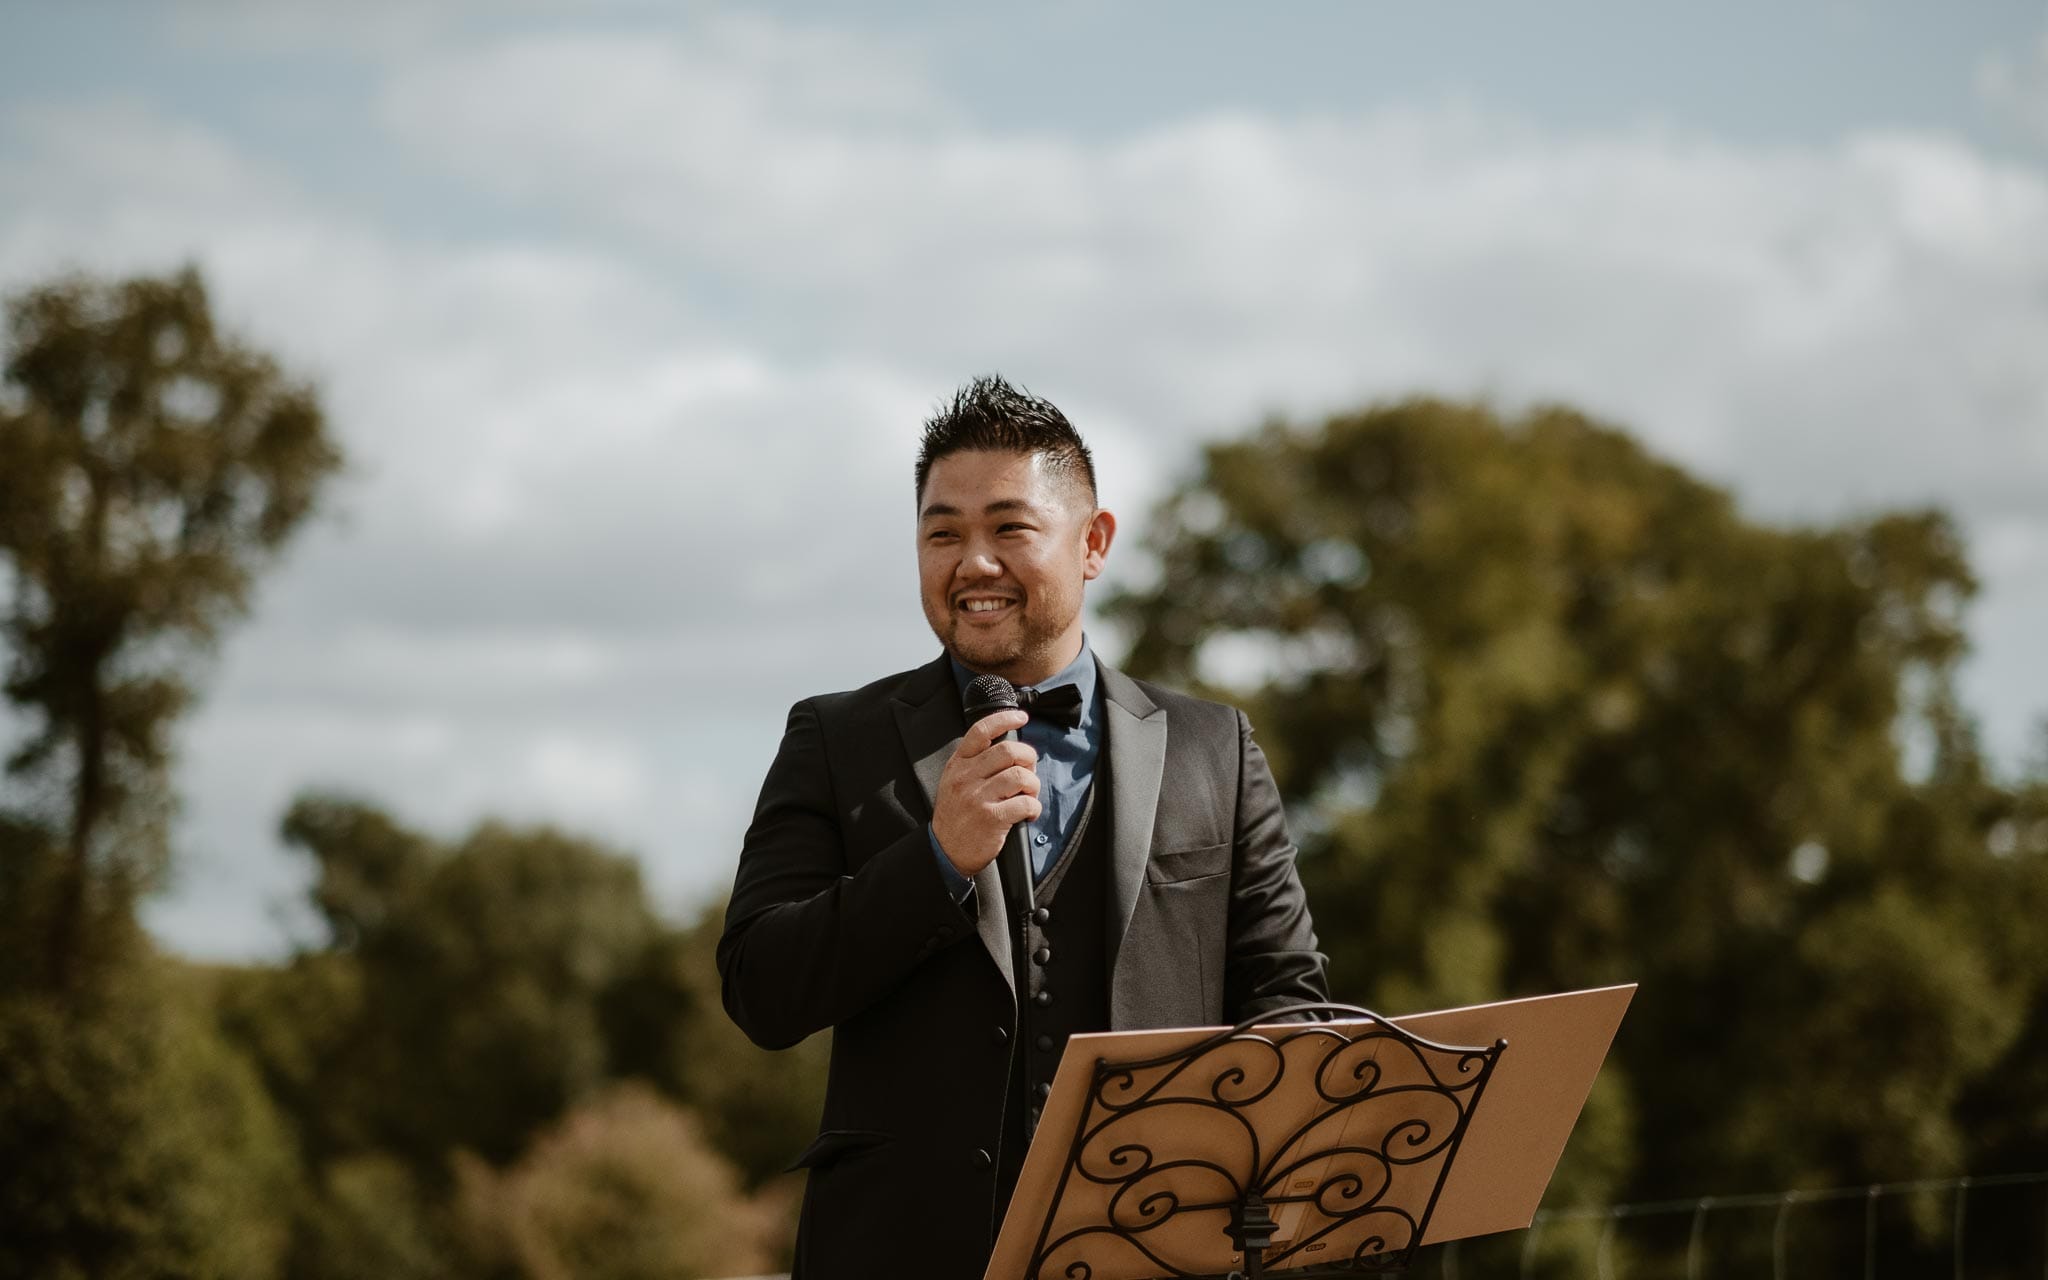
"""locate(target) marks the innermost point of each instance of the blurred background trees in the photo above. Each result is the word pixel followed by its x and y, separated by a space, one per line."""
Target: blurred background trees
pixel 400 1100
pixel 151 465
pixel 148 467
pixel 1549 713
pixel 488 1064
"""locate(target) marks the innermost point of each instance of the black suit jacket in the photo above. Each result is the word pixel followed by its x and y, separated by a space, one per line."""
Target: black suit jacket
pixel 840 918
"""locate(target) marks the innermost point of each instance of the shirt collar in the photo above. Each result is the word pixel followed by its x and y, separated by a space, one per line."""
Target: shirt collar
pixel 1080 673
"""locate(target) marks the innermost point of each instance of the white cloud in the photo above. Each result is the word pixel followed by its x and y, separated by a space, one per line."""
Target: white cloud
pixel 584 780
pixel 624 490
pixel 1236 261
pixel 1828 329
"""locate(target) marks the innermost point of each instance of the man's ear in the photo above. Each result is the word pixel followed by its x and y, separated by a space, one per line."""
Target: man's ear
pixel 1099 533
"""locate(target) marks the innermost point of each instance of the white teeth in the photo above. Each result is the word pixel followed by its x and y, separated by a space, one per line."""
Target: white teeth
pixel 982 606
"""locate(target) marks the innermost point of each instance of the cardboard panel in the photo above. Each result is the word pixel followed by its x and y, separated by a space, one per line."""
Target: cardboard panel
pixel 1555 1045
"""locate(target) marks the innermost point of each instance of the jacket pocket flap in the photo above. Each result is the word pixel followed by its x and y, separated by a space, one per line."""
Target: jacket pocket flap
pixel 1188 864
pixel 834 1143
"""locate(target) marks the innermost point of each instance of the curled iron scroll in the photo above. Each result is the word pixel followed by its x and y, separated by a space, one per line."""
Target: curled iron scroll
pixel 1411 1099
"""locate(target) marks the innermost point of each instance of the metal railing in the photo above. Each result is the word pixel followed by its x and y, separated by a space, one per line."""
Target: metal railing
pixel 1613 1216
pixel 1701 1207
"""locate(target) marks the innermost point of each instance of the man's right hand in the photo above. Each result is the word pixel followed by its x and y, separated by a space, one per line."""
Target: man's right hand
pixel 987 788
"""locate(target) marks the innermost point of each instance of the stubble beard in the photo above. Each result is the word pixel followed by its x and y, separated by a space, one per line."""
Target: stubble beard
pixel 1025 645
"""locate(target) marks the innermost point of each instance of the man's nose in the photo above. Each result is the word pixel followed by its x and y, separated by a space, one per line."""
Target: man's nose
pixel 979 564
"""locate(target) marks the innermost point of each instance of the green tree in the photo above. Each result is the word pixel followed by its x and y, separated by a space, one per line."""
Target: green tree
pixel 668 1025
pixel 367 1217
pixel 152 463
pixel 135 1141
pixel 468 995
pixel 1551 712
pixel 624 1188
pixel 470 1010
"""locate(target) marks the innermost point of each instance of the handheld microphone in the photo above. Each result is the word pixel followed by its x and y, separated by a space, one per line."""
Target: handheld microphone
pixel 985 696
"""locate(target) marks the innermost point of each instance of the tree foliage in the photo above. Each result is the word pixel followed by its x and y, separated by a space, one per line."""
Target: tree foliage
pixel 152 463
pixel 463 993
pixel 624 1188
pixel 473 996
pixel 1552 713
pixel 149 464
pixel 135 1140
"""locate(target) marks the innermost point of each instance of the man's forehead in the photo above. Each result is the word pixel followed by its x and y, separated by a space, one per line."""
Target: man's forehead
pixel 983 480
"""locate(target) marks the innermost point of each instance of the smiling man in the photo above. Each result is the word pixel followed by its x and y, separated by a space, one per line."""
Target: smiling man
pixel 867 898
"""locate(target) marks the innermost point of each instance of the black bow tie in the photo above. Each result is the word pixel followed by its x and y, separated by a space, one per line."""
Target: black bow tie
pixel 1060 704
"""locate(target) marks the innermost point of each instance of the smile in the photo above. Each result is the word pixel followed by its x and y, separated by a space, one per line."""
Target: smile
pixel 984 604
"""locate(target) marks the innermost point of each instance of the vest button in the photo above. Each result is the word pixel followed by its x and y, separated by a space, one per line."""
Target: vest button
pixel 1042 956
pixel 1001 1035
pixel 982 1159
pixel 1041 915
pixel 1042 999
pixel 1043 1044
pixel 1044 1091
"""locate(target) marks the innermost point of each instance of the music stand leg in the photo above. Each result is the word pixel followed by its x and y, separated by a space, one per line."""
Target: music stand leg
pixel 1251 1230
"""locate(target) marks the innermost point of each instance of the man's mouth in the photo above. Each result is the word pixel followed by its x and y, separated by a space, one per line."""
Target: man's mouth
pixel 984 604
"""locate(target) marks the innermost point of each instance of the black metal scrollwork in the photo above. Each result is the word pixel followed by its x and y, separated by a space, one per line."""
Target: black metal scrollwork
pixel 1347 1187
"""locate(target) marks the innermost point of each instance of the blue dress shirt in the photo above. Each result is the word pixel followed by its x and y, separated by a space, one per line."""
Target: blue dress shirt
pixel 1066 768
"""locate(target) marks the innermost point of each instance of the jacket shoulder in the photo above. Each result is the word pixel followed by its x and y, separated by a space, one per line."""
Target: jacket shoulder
pixel 876 695
pixel 1187 712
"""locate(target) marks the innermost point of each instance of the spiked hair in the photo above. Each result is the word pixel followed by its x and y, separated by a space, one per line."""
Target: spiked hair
pixel 988 413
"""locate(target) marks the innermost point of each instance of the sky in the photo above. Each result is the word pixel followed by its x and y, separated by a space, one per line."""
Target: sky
pixel 628 315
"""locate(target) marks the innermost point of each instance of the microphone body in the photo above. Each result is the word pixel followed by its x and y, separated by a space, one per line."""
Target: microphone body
pixel 985 696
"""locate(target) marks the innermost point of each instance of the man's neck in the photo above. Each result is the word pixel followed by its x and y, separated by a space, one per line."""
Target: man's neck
pixel 1038 673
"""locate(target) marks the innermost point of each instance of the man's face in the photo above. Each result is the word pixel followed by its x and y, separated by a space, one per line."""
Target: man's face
pixel 1002 550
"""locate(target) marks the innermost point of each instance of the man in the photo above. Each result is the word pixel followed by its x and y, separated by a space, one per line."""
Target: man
pixel 868 900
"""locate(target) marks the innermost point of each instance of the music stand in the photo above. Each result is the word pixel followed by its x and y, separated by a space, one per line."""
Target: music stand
pixel 1318 1148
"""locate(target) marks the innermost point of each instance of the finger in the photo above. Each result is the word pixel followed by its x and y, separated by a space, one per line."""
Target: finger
pixel 1017 809
pixel 1014 781
pixel 1005 755
pixel 987 729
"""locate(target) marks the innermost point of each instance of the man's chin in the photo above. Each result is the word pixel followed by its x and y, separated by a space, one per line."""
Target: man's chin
pixel 984 657
pixel 982 650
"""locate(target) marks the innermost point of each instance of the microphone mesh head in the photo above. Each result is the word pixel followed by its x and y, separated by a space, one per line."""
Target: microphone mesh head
pixel 987 695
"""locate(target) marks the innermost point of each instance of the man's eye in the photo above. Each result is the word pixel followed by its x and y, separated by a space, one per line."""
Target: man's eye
pixel 1014 528
pixel 938 534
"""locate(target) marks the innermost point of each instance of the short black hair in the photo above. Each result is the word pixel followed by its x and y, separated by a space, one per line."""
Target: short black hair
pixel 988 413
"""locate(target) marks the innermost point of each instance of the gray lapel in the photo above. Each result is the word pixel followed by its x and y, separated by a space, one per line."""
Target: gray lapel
pixel 929 718
pixel 1137 762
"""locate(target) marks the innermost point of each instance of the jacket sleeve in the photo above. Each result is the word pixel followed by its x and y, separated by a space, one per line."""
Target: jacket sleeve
pixel 1271 959
pixel 806 943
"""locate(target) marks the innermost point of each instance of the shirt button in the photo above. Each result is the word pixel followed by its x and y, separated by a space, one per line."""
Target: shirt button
pixel 1042 999
pixel 1043 1044
pixel 1042 956
pixel 981 1158
pixel 1041 915
pixel 1001 1035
